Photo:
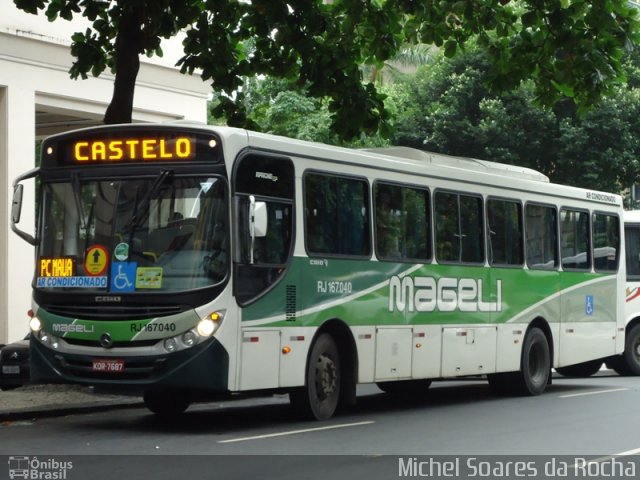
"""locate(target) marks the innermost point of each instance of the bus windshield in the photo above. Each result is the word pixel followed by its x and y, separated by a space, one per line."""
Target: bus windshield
pixel 167 233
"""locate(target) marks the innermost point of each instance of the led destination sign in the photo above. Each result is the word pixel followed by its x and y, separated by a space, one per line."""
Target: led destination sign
pixel 136 149
pixel 130 145
pixel 57 267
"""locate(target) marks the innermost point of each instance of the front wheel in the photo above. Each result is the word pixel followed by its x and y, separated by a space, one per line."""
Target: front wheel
pixel 166 403
pixel 318 399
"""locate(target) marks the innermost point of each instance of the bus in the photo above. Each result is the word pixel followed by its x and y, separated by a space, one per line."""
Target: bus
pixel 629 362
pixel 185 261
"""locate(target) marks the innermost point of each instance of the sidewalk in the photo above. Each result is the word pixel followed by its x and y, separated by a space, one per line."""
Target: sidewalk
pixel 33 401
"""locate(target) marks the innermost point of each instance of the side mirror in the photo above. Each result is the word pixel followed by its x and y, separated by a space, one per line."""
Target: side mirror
pixel 16 206
pixel 258 222
pixel 16 203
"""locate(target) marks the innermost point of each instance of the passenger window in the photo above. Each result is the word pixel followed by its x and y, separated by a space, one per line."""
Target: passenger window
pixel 505 232
pixel 402 223
pixel 459 229
pixel 542 237
pixel 574 240
pixel 337 215
pixel 606 242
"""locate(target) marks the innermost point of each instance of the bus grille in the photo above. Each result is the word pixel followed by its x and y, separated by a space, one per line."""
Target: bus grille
pixel 290 303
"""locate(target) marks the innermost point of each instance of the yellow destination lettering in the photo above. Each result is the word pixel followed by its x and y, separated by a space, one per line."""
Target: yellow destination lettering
pixel 132 144
pixel 115 150
pixel 134 149
pixel 79 150
pixel 44 267
pixel 148 149
pixel 183 147
pixel 62 267
pixel 163 151
pixel 98 151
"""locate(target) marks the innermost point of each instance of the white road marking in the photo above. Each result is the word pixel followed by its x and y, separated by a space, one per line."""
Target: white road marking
pixel 295 432
pixel 594 392
pixel 609 457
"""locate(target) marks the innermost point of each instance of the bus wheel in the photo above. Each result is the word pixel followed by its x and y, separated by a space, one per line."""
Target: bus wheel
pixel 619 365
pixel 585 369
pixel 535 365
pixel 166 403
pixel 405 386
pixel 632 350
pixel 319 398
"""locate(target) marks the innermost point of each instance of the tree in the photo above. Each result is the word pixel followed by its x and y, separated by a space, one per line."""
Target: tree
pixel 447 108
pixel 570 48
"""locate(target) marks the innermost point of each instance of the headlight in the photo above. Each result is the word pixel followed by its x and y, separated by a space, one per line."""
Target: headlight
pixel 207 326
pixel 189 339
pixel 35 324
pixel 170 345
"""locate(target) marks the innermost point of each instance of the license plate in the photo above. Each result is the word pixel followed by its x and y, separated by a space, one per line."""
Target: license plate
pixel 108 365
pixel 11 369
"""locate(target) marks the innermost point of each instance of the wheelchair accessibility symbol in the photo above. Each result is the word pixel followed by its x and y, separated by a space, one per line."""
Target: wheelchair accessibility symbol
pixel 123 275
pixel 588 305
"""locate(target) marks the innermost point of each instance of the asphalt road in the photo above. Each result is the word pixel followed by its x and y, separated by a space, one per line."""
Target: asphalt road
pixel 592 418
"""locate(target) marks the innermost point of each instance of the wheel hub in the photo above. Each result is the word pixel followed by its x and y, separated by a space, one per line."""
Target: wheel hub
pixel 326 381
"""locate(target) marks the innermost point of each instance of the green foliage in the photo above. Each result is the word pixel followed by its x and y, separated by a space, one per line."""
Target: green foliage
pixel 568 48
pixel 449 109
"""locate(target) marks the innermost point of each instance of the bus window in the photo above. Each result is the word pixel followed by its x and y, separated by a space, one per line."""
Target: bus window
pixel 505 234
pixel 574 240
pixel 542 237
pixel 458 220
pixel 606 242
pixel 632 243
pixel 260 263
pixel 402 223
pixel 337 215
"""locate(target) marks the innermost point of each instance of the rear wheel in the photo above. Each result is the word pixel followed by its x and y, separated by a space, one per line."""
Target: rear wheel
pixel 632 350
pixel 166 403
pixel 318 399
pixel 535 364
pixel 585 369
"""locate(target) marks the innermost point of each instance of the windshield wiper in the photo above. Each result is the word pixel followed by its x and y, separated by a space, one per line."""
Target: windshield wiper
pixel 75 184
pixel 142 208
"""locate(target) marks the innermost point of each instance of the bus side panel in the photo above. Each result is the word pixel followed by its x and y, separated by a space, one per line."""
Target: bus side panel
pixel 427 351
pixel 520 306
pixel 589 325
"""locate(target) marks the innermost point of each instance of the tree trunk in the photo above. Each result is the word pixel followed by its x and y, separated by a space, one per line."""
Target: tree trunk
pixel 128 46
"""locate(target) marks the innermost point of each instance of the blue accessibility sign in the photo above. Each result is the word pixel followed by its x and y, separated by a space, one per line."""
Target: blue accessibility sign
pixel 123 276
pixel 589 305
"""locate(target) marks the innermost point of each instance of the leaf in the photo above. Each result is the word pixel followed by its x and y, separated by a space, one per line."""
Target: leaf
pixel 450 48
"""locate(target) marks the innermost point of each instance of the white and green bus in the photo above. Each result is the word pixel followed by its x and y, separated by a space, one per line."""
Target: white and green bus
pixel 182 261
pixel 629 362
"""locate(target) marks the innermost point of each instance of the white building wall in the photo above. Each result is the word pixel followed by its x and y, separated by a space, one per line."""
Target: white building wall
pixel 34 65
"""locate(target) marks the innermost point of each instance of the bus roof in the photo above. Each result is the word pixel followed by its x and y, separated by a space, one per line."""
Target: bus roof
pixel 632 216
pixel 461 162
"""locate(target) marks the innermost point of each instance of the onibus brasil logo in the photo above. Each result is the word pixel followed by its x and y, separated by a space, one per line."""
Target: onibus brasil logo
pixel 33 468
pixel 445 294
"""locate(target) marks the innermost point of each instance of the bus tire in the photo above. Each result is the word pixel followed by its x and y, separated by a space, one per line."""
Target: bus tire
pixel 581 370
pixel 619 365
pixel 318 399
pixel 166 403
pixel 416 387
pixel 535 364
pixel 631 353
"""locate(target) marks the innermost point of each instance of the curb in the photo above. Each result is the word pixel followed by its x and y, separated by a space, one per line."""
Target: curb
pixel 61 411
